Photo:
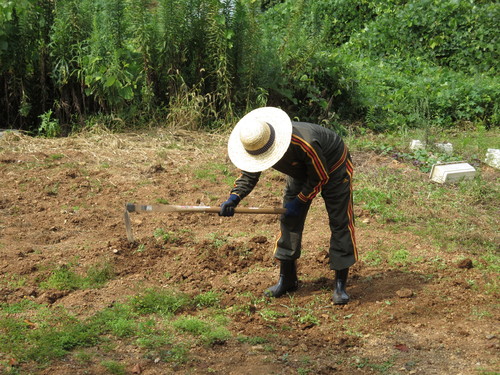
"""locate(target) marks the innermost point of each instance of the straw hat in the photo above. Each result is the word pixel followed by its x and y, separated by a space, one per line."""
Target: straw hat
pixel 260 139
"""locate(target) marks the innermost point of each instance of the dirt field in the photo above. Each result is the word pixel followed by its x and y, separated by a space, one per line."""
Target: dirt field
pixel 62 201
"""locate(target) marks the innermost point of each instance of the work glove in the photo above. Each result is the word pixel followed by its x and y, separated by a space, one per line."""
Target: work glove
pixel 227 208
pixel 295 207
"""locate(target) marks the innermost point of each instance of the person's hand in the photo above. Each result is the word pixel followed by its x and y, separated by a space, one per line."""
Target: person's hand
pixel 295 207
pixel 227 208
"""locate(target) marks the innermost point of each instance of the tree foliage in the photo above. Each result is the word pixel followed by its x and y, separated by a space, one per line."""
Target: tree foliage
pixel 203 63
pixel 461 35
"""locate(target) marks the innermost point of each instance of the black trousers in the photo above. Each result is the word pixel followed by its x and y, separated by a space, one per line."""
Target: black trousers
pixel 337 195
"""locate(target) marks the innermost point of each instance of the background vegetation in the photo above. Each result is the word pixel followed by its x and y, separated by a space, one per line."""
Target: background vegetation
pixel 384 65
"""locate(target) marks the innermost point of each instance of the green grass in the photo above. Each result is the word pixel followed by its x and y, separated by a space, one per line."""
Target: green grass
pixel 65 278
pixel 113 367
pixel 12 280
pixel 373 257
pixel 381 203
pixel 412 202
pixel 215 173
pixel 270 315
pixel 458 220
pixel 158 322
pixel 399 257
pixel 162 302
pixel 207 299
pixel 38 334
pixel 165 236
pixel 253 340
pixel 218 239
pixel 150 336
pixel 192 325
pixel 162 201
pixel 207 332
pixel 53 157
pixel 468 144
pixel 380 367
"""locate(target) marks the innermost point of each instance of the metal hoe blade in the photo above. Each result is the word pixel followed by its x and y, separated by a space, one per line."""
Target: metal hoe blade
pixel 128 227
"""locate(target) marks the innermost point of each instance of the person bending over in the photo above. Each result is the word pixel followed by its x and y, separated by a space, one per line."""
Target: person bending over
pixel 314 159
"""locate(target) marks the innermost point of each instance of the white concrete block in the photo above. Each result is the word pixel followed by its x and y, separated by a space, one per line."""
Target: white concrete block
pixel 493 158
pixel 452 172
pixel 416 145
pixel 445 147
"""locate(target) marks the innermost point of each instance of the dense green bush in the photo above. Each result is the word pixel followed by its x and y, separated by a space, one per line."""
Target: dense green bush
pixel 428 62
pixel 203 63
pixel 393 64
pixel 308 78
pixel 403 94
pixel 461 35
pixel 125 58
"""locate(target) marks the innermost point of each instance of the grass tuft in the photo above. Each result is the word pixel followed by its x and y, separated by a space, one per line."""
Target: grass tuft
pixel 65 278
pixel 162 302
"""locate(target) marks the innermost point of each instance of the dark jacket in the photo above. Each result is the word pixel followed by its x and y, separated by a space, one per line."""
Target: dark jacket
pixel 314 153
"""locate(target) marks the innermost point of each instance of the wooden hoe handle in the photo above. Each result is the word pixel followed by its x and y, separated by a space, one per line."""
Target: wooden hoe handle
pixel 130 207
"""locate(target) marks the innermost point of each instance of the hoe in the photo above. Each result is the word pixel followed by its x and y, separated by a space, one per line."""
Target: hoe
pixel 131 207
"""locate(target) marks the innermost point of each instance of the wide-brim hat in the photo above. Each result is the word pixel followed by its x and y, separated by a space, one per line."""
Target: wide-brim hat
pixel 260 139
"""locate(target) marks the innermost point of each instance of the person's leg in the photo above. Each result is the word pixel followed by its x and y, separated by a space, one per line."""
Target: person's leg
pixel 289 243
pixel 288 246
pixel 337 194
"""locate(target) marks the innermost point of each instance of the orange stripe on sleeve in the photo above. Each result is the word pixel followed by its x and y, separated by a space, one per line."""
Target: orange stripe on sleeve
pixel 317 164
pixel 340 161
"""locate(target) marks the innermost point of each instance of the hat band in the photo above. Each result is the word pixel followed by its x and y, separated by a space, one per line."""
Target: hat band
pixel 268 144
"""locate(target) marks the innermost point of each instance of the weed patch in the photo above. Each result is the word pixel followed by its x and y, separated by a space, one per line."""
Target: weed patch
pixel 162 302
pixel 65 278
pixel 165 236
pixel 33 332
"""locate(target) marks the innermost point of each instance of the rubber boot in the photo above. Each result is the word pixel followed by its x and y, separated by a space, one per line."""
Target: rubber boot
pixel 287 282
pixel 340 296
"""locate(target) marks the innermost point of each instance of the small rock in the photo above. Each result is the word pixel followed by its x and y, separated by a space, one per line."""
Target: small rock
pixel 322 256
pixel 157 168
pixel 402 347
pixel 465 264
pixel 404 293
pixel 307 326
pixel 136 369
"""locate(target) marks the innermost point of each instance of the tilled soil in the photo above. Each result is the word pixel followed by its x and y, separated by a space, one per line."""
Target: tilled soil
pixel 62 201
